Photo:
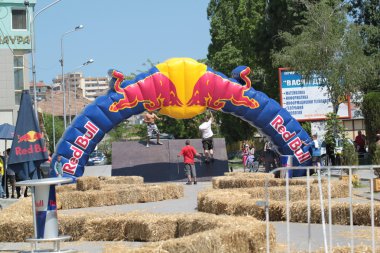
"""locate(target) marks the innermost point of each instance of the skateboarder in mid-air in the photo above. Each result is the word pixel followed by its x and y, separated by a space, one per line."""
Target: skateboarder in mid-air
pixel 207 140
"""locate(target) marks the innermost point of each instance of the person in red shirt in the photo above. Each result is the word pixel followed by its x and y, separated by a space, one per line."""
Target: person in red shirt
pixel 188 152
pixel 360 142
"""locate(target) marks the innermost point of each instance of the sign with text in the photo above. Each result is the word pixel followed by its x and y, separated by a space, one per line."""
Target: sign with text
pixel 307 100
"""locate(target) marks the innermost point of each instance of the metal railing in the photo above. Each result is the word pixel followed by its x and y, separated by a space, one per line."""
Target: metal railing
pixel 326 170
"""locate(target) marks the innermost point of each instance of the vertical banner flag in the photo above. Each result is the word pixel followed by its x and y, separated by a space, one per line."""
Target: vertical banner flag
pixel 28 142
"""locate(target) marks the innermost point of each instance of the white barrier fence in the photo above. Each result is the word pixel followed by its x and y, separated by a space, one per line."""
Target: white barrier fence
pixel 324 172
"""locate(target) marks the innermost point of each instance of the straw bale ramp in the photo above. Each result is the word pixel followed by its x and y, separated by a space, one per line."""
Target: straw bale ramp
pixel 159 163
pixel 199 232
pixel 108 191
pixel 247 180
pixel 238 194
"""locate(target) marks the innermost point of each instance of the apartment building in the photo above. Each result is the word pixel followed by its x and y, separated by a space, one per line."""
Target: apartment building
pixel 90 87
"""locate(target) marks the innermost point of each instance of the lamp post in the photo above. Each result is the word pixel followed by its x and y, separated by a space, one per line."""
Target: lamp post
pixel 33 47
pixel 53 120
pixel 75 86
pixel 63 76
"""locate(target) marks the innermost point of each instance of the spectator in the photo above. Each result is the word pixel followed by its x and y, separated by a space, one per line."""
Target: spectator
pixel 11 178
pixel 360 142
pixel 58 166
pixel 245 152
pixel 207 140
pixel 188 152
pixel 250 163
pixel 2 172
pixel 269 157
pixel 315 152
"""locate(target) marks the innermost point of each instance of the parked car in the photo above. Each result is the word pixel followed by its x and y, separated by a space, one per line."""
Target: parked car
pixel 96 158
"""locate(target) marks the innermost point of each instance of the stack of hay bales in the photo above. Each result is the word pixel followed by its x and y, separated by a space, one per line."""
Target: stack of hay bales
pixel 233 197
pixel 199 232
pixel 248 180
pixel 106 191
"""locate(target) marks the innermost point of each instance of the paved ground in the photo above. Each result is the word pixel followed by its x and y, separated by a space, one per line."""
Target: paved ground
pixel 298 232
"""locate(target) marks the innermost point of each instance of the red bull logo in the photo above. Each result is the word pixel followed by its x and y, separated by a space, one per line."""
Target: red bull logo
pixel 182 88
pixel 155 91
pixel 31 136
pixel 213 91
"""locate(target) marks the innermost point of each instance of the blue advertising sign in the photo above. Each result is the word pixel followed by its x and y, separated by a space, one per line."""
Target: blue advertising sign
pixel 307 100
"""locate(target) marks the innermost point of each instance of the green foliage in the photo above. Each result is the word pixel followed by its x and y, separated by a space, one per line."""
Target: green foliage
pixel 307 127
pixel 371 108
pixel 349 156
pixel 120 132
pixel 58 126
pixel 330 47
pixel 366 13
pixel 234 129
pixel 376 160
pixel 334 130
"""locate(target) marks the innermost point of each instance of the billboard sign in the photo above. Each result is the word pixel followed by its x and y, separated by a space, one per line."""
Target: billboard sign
pixel 307 100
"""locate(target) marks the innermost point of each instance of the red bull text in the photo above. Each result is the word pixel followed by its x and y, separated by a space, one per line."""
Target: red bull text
pixel 82 142
pixel 294 145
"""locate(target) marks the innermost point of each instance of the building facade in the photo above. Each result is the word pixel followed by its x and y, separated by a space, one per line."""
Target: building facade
pixel 90 87
pixel 15 47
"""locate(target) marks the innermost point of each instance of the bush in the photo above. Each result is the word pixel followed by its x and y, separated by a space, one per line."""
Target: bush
pixel 376 160
pixel 371 108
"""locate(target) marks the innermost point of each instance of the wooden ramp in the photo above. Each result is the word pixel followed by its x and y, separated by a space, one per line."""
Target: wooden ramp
pixel 160 163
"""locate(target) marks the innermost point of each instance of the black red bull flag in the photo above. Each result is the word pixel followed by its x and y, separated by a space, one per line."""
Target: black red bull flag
pixel 28 147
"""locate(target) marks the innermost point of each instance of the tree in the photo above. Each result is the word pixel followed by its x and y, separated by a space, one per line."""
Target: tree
pixel 233 27
pixel 329 47
pixel 59 129
pixel 366 14
pixel 371 109
pixel 245 32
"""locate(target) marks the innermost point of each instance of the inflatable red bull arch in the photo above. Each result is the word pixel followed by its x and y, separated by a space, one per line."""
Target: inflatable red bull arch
pixel 180 88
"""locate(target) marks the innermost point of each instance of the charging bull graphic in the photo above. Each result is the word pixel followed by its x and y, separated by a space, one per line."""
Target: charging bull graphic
pixel 213 91
pixel 180 88
pixel 154 91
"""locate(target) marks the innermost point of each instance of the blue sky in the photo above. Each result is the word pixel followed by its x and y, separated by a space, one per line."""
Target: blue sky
pixel 119 34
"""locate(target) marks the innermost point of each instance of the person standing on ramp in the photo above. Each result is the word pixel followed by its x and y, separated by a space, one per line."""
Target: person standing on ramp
pixel 207 140
pixel 149 119
pixel 188 152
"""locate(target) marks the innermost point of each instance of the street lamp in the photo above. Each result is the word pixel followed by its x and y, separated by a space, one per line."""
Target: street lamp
pixel 63 76
pixel 33 47
pixel 75 87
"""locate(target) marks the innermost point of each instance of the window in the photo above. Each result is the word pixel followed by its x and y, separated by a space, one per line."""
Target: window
pixel 19 19
pixel 18 71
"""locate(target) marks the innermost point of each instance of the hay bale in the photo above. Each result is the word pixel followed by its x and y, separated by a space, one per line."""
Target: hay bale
pixel 119 194
pixel 88 183
pixel 225 234
pixel 224 182
pixel 257 175
pixel 73 225
pixel 150 227
pixel 66 188
pixel 122 180
pixel 240 202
